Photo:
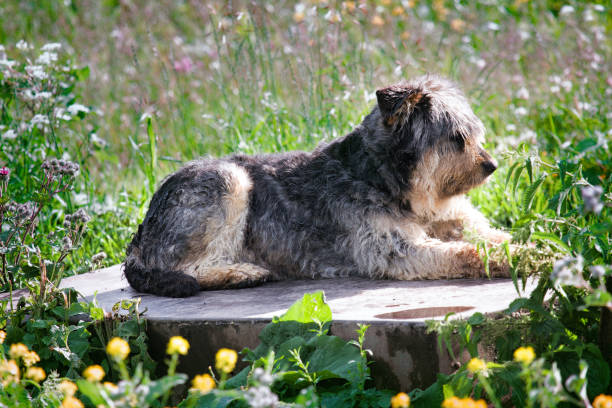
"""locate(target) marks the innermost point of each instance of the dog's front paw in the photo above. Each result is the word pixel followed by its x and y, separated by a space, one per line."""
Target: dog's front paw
pixel 469 262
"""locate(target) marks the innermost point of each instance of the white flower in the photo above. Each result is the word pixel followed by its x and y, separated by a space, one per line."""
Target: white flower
pixel 46 58
pixel 555 88
pixel 6 62
pixel 21 45
pixel 510 127
pixel 568 271
pixel 51 47
pixel 565 10
pixel 76 108
pixel 599 7
pixel 36 71
pixel 9 134
pixel 492 26
pixel 522 93
pixel 520 111
pixel 567 85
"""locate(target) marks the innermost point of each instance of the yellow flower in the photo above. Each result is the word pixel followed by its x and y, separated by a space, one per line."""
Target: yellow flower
pixel 118 348
pixel 203 383
pixel 397 11
pixel 378 21
pixel 30 358
pixel 35 373
pixel 602 401
pixel 457 24
pixel 401 400
pixel 298 16
pixel 71 402
pixel 225 360
pixel 177 344
pixel 385 2
pixel 94 373
pixel 476 365
pixel 524 355
pixel 349 6
pixel 110 386
pixel 454 402
pixel 405 35
pixel 2 336
pixel 9 372
pixel 68 388
pixel 18 350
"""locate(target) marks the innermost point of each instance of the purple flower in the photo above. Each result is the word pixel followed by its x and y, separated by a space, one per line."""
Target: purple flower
pixel 4 172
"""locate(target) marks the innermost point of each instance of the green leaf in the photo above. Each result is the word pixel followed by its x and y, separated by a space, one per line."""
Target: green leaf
pixel 92 392
pixel 310 309
pixel 530 191
pixel 553 239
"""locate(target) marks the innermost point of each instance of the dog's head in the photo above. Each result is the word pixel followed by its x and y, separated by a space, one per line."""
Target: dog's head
pixel 428 135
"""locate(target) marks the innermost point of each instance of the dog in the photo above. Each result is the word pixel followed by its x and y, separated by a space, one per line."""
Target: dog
pixel 386 201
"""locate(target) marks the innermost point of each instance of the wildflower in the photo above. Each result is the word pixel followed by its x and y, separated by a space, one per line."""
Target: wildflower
pixel 602 401
pixel 378 21
pixel 4 172
pixel 520 111
pixel 522 93
pixel 36 71
pixel 261 397
pixel 75 108
pixel 118 348
pixel 454 402
pixel 9 371
pixel 99 257
pixel 30 358
pixel 35 373
pixel 72 402
pixel 203 383
pixel 22 45
pixel 68 388
pixel 18 350
pixel 111 387
pixel 51 47
pixel 261 376
pixel 405 35
pixel 177 344
pixel 94 373
pixel 565 10
pixel 476 365
pixel 397 11
pixel 299 14
pixel 46 58
pixel 568 271
pixel 524 355
pixel 492 26
pixel 349 6
pixel 333 16
pixel 597 272
pixel 457 24
pixel 9 134
pixel 591 195
pixel 401 400
pixel 2 336
pixel 183 65
pixel 225 360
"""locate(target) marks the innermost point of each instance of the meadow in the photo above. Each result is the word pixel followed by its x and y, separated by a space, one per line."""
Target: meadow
pixel 101 99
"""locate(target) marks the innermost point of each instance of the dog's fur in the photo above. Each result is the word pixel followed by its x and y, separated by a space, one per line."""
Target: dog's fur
pixel 385 201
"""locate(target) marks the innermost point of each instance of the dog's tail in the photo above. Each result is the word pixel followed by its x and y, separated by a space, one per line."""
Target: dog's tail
pixel 155 280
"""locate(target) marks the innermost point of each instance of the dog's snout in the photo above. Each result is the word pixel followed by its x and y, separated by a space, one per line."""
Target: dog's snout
pixel 489 166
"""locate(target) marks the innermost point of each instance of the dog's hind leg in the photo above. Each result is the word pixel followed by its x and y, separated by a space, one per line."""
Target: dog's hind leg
pixel 216 260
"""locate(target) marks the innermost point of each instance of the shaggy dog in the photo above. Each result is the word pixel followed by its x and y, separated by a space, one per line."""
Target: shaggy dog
pixel 385 201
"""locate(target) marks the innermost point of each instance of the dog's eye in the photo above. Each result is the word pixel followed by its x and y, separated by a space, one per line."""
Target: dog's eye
pixel 458 141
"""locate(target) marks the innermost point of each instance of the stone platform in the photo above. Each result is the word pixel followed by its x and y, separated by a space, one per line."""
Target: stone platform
pixel 405 355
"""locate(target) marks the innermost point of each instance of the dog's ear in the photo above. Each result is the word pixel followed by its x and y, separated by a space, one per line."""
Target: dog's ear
pixel 396 101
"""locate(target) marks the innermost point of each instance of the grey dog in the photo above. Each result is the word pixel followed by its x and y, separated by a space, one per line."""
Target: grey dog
pixel 385 201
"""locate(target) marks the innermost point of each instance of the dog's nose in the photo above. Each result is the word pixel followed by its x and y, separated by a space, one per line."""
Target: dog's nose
pixel 489 166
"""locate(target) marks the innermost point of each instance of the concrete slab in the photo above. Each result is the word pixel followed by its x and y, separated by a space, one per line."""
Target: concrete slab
pixel 405 355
